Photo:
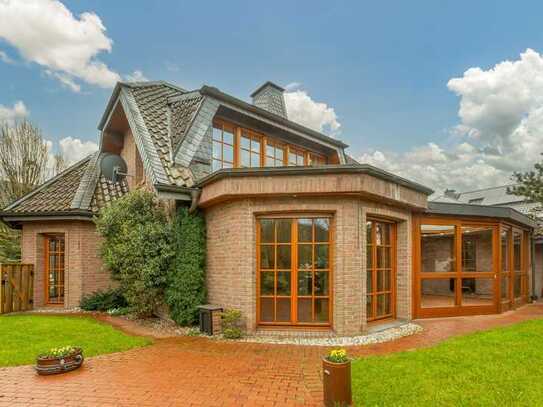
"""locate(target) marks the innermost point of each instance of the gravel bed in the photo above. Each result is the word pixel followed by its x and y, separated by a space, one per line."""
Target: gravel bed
pixel 386 335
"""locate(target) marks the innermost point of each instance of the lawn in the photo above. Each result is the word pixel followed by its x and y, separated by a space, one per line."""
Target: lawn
pixel 22 337
pixel 502 366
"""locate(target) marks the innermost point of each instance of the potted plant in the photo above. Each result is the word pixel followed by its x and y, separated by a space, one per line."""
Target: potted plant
pixel 336 378
pixel 59 360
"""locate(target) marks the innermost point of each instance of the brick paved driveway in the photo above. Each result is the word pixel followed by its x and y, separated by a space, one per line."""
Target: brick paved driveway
pixel 192 371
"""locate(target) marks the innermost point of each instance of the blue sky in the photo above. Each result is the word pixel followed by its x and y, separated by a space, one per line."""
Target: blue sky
pixel 382 66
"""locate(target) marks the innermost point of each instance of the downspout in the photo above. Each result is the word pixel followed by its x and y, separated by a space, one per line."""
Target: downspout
pixel 532 259
pixel 195 199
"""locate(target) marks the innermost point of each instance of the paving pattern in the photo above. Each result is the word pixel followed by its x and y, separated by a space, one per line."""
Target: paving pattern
pixel 194 371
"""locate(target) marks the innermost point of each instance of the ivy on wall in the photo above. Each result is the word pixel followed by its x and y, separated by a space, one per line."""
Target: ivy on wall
pixel 186 278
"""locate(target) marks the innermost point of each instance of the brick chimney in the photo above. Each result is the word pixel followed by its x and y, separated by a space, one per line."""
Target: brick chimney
pixel 270 97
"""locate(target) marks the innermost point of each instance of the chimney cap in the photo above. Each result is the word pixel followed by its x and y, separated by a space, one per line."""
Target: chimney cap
pixel 266 84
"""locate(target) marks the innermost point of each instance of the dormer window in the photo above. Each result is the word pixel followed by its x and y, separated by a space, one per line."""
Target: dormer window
pixel 237 147
pixel 223 146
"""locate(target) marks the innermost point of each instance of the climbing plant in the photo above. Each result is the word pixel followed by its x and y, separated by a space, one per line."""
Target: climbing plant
pixel 186 278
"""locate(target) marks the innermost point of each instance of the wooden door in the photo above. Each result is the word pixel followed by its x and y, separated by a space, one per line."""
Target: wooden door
pixel 54 269
pixel 380 270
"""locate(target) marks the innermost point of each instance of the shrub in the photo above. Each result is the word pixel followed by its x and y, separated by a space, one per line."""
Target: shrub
pixel 231 320
pixel 137 248
pixel 337 356
pixel 103 300
pixel 186 278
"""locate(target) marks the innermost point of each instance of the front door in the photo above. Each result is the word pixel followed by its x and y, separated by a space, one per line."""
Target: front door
pixel 294 271
pixel 54 269
pixel 380 270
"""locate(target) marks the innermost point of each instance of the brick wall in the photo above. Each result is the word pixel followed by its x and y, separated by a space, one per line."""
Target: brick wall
pixel 84 272
pixel 231 255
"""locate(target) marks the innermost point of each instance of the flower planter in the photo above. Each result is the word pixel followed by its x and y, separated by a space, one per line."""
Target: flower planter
pixel 54 365
pixel 336 380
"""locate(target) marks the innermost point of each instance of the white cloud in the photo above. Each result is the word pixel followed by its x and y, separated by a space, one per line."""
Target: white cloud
pixel 47 33
pixel 302 109
pixel 136 76
pixel 5 58
pixel 500 130
pixel 73 149
pixel 11 114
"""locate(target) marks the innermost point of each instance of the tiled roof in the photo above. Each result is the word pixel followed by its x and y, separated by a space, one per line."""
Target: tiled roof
pixel 106 192
pixel 152 103
pixel 53 196
pixel 183 112
pixel 59 195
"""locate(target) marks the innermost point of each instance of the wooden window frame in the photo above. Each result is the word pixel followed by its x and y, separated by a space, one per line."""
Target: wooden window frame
pixel 307 156
pixel 294 243
pixel 222 126
pixel 496 273
pixel 375 271
pixel 47 238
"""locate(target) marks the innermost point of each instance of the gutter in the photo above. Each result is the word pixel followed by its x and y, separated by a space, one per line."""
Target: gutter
pixel 320 170
pixel 532 259
pixel 181 193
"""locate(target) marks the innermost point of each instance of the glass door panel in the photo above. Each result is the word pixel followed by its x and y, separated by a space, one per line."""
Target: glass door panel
pixel 380 270
pixel 294 271
pixel 54 269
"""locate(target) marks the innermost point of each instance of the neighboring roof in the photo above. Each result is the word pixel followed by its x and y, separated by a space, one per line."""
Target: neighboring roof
pixel 79 190
pixel 325 169
pixel 461 209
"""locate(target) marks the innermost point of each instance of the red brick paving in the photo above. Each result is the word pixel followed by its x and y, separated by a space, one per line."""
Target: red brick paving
pixel 193 371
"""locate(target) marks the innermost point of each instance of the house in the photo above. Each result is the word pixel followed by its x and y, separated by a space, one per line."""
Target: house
pixel 500 196
pixel 299 235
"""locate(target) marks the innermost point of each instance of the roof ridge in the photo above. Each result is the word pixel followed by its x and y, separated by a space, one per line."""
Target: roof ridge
pixel 488 188
pixel 47 183
pixel 140 84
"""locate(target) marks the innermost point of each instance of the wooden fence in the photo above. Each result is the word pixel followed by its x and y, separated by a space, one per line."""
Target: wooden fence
pixel 16 288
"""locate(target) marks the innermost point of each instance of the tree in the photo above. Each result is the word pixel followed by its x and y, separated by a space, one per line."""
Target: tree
pixel 23 160
pixel 530 184
pixel 137 248
pixel 23 166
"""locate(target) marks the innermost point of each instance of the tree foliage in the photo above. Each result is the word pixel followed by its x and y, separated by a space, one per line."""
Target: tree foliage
pixel 137 248
pixel 24 158
pixel 186 279
pixel 530 184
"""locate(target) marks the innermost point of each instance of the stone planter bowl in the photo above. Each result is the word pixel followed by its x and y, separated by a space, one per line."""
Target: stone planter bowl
pixel 48 366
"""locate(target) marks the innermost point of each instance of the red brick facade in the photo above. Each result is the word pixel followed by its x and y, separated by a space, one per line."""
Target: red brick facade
pixel 84 272
pixel 231 255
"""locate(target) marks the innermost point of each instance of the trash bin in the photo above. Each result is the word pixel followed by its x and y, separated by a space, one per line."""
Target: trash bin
pixel 210 319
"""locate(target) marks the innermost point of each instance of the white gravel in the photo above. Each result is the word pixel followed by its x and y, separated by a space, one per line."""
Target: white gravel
pixel 385 335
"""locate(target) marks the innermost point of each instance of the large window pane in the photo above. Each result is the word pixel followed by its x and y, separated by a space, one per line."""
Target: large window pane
pixel 283 257
pixel 283 283
pixel 266 309
pixel 505 238
pixel 283 230
pixel 283 310
pixel 321 309
pixel 305 256
pixel 477 248
pixel 322 227
pixel 305 230
pixel 321 256
pixel 436 293
pixel 517 251
pixel 437 248
pixel 304 309
pixel 267 283
pixel 267 257
pixel 305 283
pixel 267 231
pixel 477 291
pixel 505 287
pixel 321 282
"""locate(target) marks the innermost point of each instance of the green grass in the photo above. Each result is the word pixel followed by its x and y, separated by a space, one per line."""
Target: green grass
pixel 23 337
pixel 502 367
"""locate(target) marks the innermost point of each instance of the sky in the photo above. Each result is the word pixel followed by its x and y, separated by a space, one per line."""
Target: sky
pixel 448 93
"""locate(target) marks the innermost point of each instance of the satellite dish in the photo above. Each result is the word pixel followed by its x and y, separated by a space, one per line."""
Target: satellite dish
pixel 113 167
